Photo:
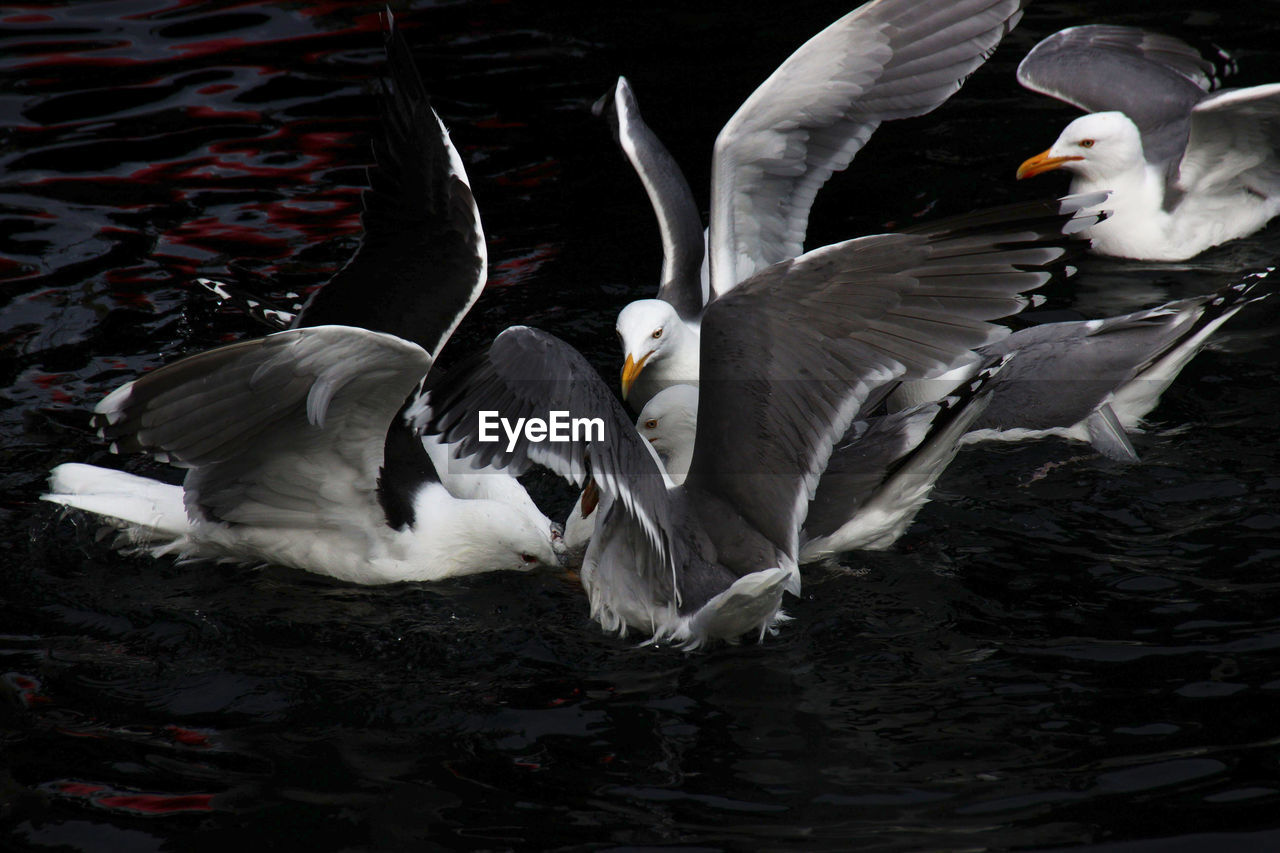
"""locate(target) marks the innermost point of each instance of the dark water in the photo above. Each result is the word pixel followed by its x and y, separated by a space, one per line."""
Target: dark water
pixel 1061 652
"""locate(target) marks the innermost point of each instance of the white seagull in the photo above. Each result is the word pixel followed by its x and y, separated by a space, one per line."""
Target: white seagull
pixel 295 448
pixel 888 59
pixel 1188 167
pixel 284 441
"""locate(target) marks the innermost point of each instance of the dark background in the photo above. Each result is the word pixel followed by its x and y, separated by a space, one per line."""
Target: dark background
pixel 1062 651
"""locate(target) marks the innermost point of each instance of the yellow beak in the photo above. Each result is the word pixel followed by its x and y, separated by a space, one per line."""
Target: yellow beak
pixel 1042 162
pixel 630 370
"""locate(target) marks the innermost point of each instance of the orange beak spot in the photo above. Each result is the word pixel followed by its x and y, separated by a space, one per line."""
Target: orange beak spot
pixel 590 497
pixel 1042 162
pixel 630 370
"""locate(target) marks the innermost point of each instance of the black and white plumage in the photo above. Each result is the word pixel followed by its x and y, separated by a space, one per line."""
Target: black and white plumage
pixel 282 438
pixel 422 260
pixel 788 359
pixel 888 59
pixel 317 469
pixel 1188 167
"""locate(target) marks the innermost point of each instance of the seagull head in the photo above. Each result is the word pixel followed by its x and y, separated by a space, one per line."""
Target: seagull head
pixel 506 537
pixel 669 421
pixel 1095 146
pixel 648 330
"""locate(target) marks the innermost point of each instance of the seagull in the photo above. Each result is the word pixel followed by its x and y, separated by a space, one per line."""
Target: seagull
pixel 880 473
pixel 1096 380
pixel 283 438
pixel 667 422
pixel 1090 380
pixel 300 457
pixel 888 59
pixel 787 361
pixel 1087 380
pixel 1188 167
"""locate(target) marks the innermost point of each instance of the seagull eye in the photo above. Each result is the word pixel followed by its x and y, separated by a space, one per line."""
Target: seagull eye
pixel 657 333
pixel 1086 143
pixel 528 558
pixel 652 423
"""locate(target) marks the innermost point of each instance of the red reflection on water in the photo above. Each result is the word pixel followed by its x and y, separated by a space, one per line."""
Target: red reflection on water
pixel 78 789
pixel 167 11
pixel 207 112
pixel 187 737
pixel 530 176
pixel 208 47
pixel 84 60
pixel 518 269
pixel 560 700
pixel 132 299
pixel 363 23
pixel 48 380
pixel 496 123
pixel 216 88
pixel 28 689
pixel 146 803
pixel 200 233
pixel 317 150
pixel 28 19
pixel 158 803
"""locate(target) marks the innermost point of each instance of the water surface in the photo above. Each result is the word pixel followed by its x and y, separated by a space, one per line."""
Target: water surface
pixel 1062 651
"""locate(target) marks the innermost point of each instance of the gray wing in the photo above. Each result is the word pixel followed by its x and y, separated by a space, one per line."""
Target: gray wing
pixel 860 463
pixel 529 373
pixel 1064 371
pixel 1235 138
pixel 279 431
pixel 898 453
pixel 1155 80
pixel 790 355
pixel 422 260
pixel 679 221
pixel 886 60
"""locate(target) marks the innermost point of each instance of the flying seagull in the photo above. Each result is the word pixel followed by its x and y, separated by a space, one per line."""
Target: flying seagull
pixel 888 59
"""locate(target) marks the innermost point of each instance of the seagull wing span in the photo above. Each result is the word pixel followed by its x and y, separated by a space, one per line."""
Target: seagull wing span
pixel 886 60
pixel 283 431
pixel 1235 140
pixel 527 373
pixel 422 262
pixel 792 354
pixel 678 219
